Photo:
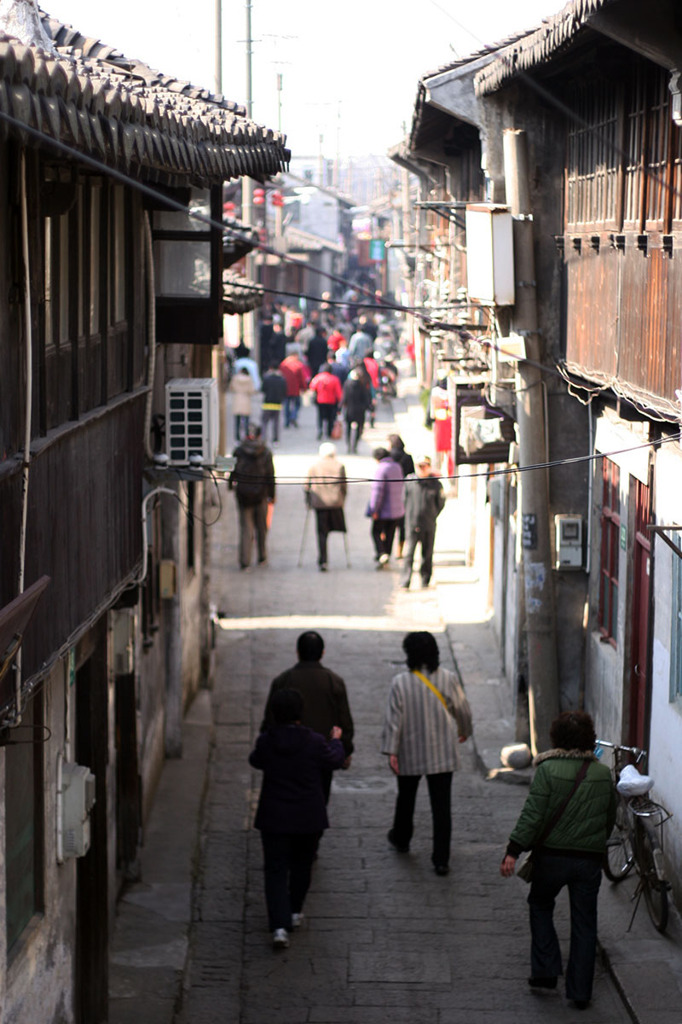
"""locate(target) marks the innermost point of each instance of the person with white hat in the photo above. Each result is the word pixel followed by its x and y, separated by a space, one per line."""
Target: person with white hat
pixel 325 492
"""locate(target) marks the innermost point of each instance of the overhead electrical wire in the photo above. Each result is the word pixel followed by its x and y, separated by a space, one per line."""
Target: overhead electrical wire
pixel 512 470
pixel 420 312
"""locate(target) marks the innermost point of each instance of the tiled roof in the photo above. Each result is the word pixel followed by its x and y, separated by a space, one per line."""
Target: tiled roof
pixel 421 114
pixel 539 46
pixel 239 239
pixel 123 113
pixel 304 241
pixel 239 294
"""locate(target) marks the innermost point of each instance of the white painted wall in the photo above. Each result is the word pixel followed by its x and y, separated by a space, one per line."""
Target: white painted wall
pixel 665 762
pixel 320 215
pixel 605 666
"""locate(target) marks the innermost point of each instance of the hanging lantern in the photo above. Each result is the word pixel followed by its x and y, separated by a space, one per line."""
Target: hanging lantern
pixel 258 196
pixel 277 199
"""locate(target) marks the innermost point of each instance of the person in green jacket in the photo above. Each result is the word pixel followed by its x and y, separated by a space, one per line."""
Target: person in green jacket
pixel 570 854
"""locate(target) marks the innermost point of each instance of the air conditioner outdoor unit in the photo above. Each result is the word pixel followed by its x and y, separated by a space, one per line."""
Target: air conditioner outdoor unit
pixel 490 254
pixel 192 421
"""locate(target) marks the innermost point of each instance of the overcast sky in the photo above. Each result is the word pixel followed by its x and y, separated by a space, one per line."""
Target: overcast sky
pixel 350 77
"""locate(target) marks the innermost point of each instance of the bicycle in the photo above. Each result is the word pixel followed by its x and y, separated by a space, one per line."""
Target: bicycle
pixel 635 840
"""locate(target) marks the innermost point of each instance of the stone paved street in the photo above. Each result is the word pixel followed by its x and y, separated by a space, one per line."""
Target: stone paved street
pixel 384 939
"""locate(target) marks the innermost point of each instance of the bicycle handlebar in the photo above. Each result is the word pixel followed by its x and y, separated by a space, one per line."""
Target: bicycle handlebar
pixel 637 752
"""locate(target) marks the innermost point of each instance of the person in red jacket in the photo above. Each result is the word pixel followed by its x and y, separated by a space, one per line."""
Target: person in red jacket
pixel 295 374
pixel 328 392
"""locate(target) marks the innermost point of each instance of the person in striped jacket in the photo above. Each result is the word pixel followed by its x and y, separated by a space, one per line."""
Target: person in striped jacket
pixel 427 714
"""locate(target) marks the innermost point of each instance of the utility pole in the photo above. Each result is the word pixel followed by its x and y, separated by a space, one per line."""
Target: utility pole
pixel 219 47
pixel 248 319
pixel 540 618
pixel 280 79
pixel 320 163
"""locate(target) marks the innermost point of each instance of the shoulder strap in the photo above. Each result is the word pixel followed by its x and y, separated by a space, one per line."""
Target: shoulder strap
pixel 582 772
pixel 432 688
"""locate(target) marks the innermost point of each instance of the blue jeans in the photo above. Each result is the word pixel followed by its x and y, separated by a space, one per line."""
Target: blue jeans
pixel 292 404
pixel 240 423
pixel 270 416
pixel 582 875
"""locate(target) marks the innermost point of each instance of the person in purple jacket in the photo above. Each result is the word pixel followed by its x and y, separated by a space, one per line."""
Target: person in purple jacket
pixel 386 504
pixel 291 812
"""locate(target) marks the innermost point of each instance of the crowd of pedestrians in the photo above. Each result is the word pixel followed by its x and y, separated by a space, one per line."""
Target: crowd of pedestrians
pixel 307 728
pixel 336 360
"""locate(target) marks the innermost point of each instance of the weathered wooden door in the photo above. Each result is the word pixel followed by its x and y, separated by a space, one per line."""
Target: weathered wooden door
pixel 640 619
pixel 92 926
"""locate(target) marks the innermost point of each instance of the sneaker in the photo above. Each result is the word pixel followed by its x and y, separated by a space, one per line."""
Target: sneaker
pixel 383 559
pixel 280 938
pixel 296 920
pixel 323 567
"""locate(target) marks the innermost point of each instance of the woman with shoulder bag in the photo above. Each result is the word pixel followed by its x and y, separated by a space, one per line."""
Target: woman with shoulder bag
pixel 426 717
pixel 566 821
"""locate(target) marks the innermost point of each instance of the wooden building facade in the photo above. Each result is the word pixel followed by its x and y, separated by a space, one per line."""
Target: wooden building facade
pixel 92 146
pixel 595 90
pixel 606 72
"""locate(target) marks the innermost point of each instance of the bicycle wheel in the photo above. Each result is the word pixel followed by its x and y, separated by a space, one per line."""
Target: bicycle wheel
pixel 655 890
pixel 619 856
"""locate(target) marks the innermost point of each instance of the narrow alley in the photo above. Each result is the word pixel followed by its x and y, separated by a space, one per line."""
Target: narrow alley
pixel 384 938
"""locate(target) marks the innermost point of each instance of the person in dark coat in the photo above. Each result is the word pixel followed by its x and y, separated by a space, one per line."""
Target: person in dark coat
pixel 424 502
pixel 356 403
pixel 253 479
pixel 325 701
pixel 316 353
pixel 274 393
pixel 291 811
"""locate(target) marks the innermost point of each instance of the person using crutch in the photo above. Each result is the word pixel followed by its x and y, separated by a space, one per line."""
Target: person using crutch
pixel 325 492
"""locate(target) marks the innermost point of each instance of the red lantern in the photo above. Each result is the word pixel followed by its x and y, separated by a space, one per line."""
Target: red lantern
pixel 228 209
pixel 258 196
pixel 277 199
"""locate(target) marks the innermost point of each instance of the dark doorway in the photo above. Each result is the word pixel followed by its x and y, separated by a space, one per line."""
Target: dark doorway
pixel 92 918
pixel 128 793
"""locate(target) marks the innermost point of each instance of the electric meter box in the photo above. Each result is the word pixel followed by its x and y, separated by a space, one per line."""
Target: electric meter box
pixel 490 254
pixel 568 530
pixel 78 785
pixel 192 421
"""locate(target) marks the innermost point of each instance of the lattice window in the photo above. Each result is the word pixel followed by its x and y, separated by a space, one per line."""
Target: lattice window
pixel 610 546
pixel 592 193
pixel 634 161
pixel 676 178
pixel 658 155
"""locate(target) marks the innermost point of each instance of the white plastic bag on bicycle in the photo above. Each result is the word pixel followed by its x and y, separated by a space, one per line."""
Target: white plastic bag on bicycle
pixel 631 783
